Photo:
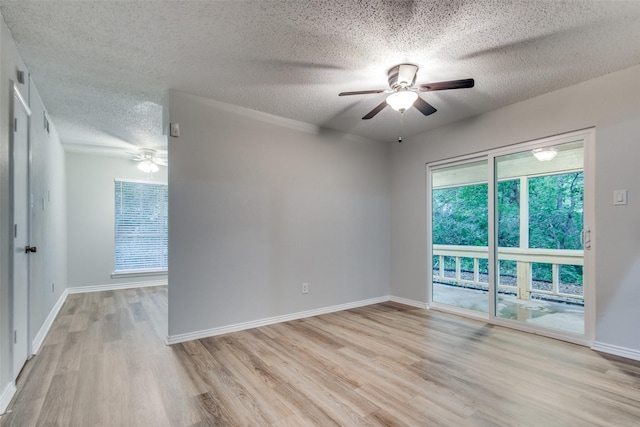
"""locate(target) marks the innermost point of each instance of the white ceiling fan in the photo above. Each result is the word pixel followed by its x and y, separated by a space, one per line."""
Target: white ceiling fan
pixel 149 160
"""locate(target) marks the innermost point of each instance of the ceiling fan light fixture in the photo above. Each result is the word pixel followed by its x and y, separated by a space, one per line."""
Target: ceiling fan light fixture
pixel 148 166
pixel 545 154
pixel 148 162
pixel 402 100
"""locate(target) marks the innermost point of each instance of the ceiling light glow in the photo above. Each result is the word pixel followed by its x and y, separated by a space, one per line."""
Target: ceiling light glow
pixel 545 154
pixel 402 100
pixel 148 166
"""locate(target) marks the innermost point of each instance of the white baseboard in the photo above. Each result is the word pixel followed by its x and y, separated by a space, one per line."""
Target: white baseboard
pixel 115 286
pixel 6 396
pixel 616 350
pixel 412 303
pixel 175 339
pixel 42 333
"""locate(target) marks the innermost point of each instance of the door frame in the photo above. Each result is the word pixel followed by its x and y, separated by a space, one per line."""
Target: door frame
pixel 14 314
pixel 588 138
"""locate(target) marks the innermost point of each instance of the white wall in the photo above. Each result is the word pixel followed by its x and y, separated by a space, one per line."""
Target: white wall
pixel 256 208
pixel 610 103
pixel 91 217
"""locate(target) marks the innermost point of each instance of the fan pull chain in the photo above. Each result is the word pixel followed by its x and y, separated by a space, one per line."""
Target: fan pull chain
pixel 401 128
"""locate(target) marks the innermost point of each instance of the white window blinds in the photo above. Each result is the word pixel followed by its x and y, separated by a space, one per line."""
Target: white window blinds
pixel 141 226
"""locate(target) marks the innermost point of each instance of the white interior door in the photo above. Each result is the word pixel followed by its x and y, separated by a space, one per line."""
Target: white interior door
pixel 21 249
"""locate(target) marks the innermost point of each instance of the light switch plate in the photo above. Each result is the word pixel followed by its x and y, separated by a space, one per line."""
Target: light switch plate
pixel 619 197
pixel 174 129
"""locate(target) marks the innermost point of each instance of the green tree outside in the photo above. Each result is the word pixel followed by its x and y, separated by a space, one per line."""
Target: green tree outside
pixel 556 209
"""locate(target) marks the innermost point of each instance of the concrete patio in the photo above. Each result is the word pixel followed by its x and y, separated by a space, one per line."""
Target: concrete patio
pixel 548 314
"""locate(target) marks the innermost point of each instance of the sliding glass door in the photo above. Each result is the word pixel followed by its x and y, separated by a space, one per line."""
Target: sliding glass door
pixel 459 238
pixel 507 236
pixel 539 211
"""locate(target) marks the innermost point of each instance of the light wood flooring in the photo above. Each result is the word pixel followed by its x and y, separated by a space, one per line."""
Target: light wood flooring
pixel 104 364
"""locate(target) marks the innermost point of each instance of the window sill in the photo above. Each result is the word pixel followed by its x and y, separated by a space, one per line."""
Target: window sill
pixel 138 273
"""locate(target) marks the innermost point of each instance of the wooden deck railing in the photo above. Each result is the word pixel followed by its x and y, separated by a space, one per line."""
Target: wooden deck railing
pixel 523 258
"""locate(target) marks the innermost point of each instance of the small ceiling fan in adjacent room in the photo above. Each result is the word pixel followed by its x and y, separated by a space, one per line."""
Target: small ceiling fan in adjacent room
pixel 403 93
pixel 149 161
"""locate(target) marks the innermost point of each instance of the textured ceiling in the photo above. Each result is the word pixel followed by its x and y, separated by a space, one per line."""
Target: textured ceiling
pixel 103 68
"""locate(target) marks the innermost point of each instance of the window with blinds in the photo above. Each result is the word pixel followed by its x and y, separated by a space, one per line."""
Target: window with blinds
pixel 141 226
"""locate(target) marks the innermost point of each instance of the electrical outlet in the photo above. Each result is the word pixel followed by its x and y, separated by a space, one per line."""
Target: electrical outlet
pixel 305 288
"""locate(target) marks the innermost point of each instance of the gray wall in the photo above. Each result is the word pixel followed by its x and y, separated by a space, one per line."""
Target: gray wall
pixel 10 62
pixel 48 217
pixel 48 224
pixel 257 208
pixel 91 217
pixel 610 103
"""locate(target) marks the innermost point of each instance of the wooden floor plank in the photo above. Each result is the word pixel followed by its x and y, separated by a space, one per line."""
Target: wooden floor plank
pixel 57 405
pixel 104 364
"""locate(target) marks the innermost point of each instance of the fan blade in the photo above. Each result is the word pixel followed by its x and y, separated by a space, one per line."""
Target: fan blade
pixel 375 110
pixel 424 107
pixel 453 84
pixel 361 92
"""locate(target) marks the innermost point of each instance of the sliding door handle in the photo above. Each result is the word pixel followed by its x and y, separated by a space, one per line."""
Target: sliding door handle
pixel 31 249
pixel 585 238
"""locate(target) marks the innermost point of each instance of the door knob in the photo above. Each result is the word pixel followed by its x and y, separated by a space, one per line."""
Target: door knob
pixel 32 249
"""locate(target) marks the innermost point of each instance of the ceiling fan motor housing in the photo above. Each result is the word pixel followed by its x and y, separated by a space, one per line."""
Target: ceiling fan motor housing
pixel 147 153
pixel 403 75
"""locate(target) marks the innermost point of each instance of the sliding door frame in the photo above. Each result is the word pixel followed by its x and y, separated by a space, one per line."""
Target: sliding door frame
pixel 588 138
